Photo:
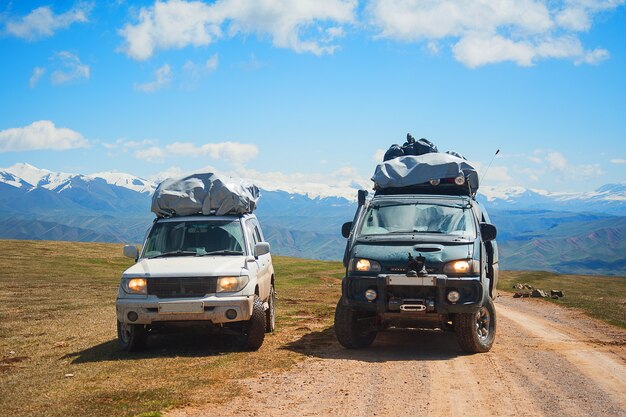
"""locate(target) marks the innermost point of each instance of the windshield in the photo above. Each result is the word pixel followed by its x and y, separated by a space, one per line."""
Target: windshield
pixel 195 238
pixel 418 218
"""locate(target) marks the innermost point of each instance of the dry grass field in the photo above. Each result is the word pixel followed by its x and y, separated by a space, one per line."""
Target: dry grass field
pixel 58 352
pixel 58 347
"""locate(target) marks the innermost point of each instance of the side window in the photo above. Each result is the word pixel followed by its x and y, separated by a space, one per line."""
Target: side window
pixel 252 233
pixel 257 233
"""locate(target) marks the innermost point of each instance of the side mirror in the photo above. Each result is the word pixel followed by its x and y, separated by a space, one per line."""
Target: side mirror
pixel 261 248
pixel 345 229
pixel 362 195
pixel 488 232
pixel 131 251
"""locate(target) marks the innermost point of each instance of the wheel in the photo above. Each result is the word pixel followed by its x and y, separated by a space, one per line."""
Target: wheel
pixel 270 313
pixel 350 330
pixel 131 337
pixel 253 332
pixel 476 332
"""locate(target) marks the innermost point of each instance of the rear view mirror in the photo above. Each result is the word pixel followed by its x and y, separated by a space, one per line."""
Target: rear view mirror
pixel 131 251
pixel 345 229
pixel 261 248
pixel 488 232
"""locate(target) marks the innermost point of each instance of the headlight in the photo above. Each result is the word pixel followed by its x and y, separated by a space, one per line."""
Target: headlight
pixel 135 286
pixel 365 265
pixel 461 267
pixel 231 284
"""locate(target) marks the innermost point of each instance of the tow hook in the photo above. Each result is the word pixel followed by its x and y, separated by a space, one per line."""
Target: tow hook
pixel 413 307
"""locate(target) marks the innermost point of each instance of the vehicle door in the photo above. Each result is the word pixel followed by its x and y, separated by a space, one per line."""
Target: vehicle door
pixel 263 262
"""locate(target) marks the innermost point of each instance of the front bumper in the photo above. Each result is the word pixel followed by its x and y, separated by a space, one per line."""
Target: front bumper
pixel 212 308
pixel 433 296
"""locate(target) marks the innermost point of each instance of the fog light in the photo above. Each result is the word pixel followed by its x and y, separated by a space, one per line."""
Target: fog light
pixel 460 180
pixel 370 295
pixel 454 296
pixel 231 314
pixel 435 182
pixel 132 316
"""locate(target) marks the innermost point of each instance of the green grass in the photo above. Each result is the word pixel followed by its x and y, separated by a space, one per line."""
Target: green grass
pixel 599 296
pixel 57 316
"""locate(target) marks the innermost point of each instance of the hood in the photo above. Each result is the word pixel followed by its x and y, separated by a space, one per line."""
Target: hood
pixel 394 256
pixel 187 266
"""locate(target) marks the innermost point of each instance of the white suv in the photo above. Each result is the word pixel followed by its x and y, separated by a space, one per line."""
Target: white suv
pixel 208 270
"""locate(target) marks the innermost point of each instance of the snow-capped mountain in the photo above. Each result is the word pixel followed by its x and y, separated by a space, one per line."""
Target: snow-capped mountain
pixel 23 175
pixel 584 231
pixel 610 198
pixel 126 181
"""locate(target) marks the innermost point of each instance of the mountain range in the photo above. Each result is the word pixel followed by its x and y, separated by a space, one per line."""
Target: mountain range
pixel 563 232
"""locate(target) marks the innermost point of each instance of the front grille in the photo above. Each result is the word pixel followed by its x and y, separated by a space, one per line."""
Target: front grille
pixel 410 291
pixel 182 287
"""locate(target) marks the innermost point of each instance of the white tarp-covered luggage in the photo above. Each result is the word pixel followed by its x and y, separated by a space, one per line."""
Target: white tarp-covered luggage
pixel 406 171
pixel 205 194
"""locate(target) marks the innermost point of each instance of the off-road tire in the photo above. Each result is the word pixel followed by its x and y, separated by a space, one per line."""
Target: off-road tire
pixel 270 313
pixel 131 337
pixel 350 332
pixel 253 331
pixel 476 332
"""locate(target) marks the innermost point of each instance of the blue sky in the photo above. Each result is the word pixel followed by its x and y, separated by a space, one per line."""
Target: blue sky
pixel 310 91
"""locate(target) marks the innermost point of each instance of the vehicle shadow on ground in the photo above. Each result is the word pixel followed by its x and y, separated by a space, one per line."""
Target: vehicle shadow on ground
pixel 391 345
pixel 185 344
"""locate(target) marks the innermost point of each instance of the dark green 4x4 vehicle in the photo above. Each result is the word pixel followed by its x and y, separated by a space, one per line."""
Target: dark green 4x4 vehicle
pixel 420 256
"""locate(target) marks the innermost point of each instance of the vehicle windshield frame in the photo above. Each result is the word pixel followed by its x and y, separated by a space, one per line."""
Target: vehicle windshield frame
pixel 240 238
pixel 470 229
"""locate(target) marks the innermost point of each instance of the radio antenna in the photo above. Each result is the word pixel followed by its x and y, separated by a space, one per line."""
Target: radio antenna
pixel 489 166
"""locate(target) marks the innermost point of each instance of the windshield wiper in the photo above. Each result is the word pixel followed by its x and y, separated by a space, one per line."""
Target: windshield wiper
pixel 175 253
pixel 221 252
pixel 416 231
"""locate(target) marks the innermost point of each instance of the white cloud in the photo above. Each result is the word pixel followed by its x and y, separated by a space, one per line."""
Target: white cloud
pixel 38 136
pixel 482 32
pixel 303 26
pixel 618 161
pixel 556 161
pixel 197 71
pixel 231 151
pixel 162 78
pixel 490 174
pixel 126 145
pixel 378 156
pixel 152 154
pixel 172 172
pixel 211 63
pixel 38 72
pixel 555 164
pixel 42 22
pixel 70 69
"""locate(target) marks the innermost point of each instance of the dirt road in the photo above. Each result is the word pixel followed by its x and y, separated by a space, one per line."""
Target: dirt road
pixel 547 361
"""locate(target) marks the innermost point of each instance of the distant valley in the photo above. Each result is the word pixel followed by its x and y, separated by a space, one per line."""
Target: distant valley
pixel 581 233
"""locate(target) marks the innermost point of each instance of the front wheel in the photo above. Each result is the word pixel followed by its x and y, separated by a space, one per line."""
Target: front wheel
pixel 351 327
pixel 476 332
pixel 131 337
pixel 253 332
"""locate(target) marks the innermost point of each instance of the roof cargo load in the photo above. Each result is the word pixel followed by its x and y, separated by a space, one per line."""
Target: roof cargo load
pixel 205 194
pixel 430 169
